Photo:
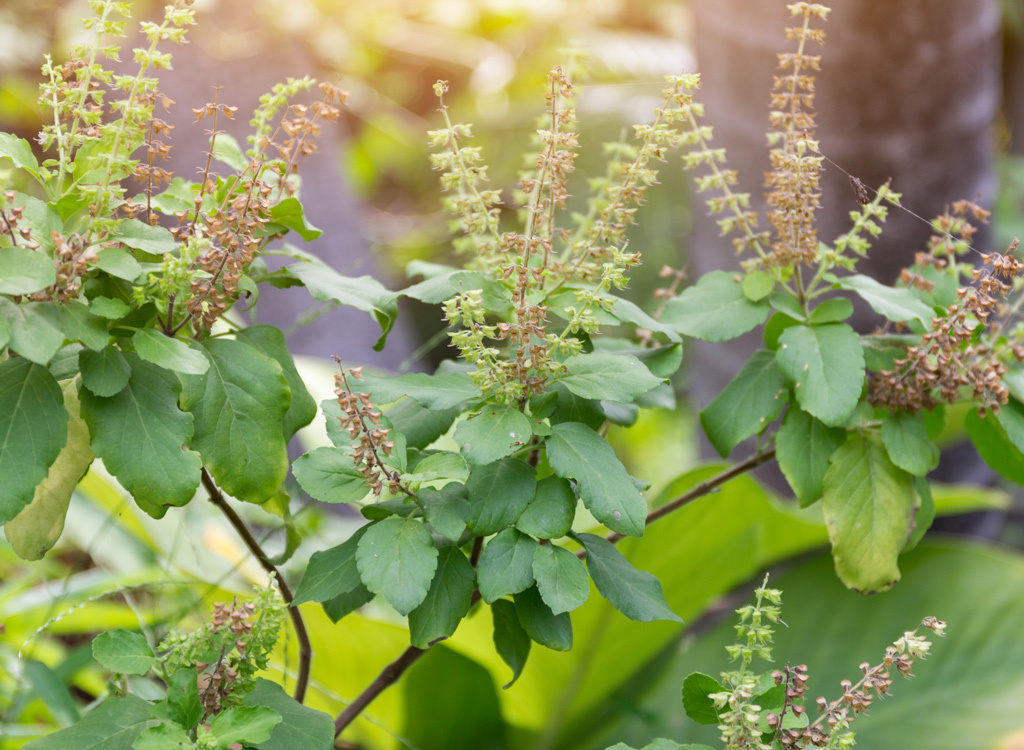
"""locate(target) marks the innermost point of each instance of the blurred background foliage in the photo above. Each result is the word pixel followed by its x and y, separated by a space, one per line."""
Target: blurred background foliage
pixel 116 567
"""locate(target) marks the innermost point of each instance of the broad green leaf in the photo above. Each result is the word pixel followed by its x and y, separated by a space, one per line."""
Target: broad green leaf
pixel 123 651
pixel 165 736
pixel 19 151
pixel 396 559
pixel 118 262
pixel 238 406
pixel 288 214
pixel 363 293
pixel 420 425
pixel 35 331
pixel 5 333
pixel 831 311
pixel 995 446
pixel 498 493
pixel 635 593
pixel 498 431
pixel 577 452
pixel 826 366
pixel 347 603
pixel 661 744
pixel 506 565
pixel 550 514
pixel 143 438
pixel 33 431
pixel 183 703
pixel 270 341
pixel 925 515
pixel 715 309
pixel 568 407
pixel 1011 419
pixel 662 361
pixel 445 509
pixel 106 372
pixel 607 376
pixel 227 151
pixel 432 391
pixel 540 623
pixel 108 307
pixel 752 400
pixel 757 285
pixel 510 640
pixel 38 527
pixel 561 578
pixel 249 724
pixel 697 689
pixel 628 312
pixel 113 725
pixel 331 572
pixel 907 443
pixel 51 690
pixel 79 324
pixel 439 466
pixel 897 304
pixel 868 503
pixel 301 728
pixel 23 271
pixel 39 218
pixel 139 235
pixel 330 476
pixel 447 600
pixel 803 447
pixel 774 328
pixel 169 353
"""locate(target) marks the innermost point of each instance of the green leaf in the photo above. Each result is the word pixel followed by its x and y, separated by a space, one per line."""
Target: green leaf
pixel 23 271
pixel 227 151
pixel 774 328
pixel 506 565
pixel 550 514
pixel 635 593
pixel 607 376
pixel 169 353
pixel 143 438
pixel 628 312
pixel 906 439
pixel 113 725
pixel 5 333
pixel 540 623
pixel 925 514
pixel 498 431
pixel 568 407
pixel 715 309
pixel 51 691
pixel 803 447
pixel 757 285
pixel 396 559
pixel 826 366
pixel 270 341
pixel 288 214
pixel 446 509
pixel 109 308
pixel 831 311
pixel 79 324
pixel 331 572
pixel 105 372
pixel 752 400
pixel 123 651
pixel 697 689
pixel 498 493
pixel 1011 419
pixel 118 262
pixel 38 527
pixel 330 476
pixel 868 503
pixel 561 578
pixel 577 452
pixel 662 361
pixel 19 151
pixel 995 446
pixel 420 425
pixel 249 724
pixel 238 406
pixel 439 466
pixel 139 235
pixel 661 744
pixel 183 703
pixel 897 304
pixel 787 304
pixel 33 431
pixel 35 331
pixel 364 293
pixel 39 218
pixel 510 640
pixel 301 728
pixel 432 391
pixel 447 600
pixel 346 603
pixel 165 736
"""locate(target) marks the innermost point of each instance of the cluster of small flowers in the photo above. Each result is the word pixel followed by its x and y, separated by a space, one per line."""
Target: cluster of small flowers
pixel 363 422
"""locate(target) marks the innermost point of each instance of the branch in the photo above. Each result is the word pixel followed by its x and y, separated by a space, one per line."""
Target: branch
pixel 393 671
pixel 305 649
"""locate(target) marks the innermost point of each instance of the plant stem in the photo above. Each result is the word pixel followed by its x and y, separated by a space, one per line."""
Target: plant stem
pixel 393 671
pixel 305 648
